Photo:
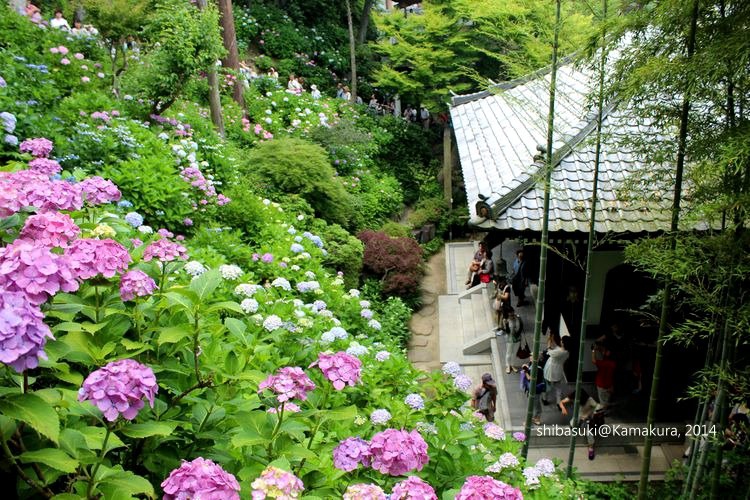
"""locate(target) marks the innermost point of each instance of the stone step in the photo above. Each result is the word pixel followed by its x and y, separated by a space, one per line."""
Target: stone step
pixel 457 259
pixel 451 333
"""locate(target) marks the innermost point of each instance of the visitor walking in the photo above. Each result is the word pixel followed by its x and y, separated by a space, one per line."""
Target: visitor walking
pixel 484 397
pixel 553 369
pixel 501 304
pixel 424 115
pixel 514 327
pixel 526 380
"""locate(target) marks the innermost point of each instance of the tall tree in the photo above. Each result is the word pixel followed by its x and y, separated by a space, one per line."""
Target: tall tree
pixel 364 22
pixel 352 51
pixel 229 36
pixel 214 96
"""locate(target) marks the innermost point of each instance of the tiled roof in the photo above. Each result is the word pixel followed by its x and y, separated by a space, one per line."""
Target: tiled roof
pixel 497 134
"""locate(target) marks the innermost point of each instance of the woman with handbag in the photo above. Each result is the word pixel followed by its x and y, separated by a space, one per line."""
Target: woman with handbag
pixel 514 327
pixel 484 397
pixel 476 263
pixel 590 416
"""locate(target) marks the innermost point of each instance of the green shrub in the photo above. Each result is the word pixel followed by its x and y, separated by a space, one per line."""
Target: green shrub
pixel 344 251
pixel 154 187
pixel 395 229
pixel 244 213
pixel 294 166
pixel 428 211
pixel 395 316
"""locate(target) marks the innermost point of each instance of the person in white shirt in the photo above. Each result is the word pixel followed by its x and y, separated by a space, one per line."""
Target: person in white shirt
pixel 554 376
pixel 314 92
pixel 59 21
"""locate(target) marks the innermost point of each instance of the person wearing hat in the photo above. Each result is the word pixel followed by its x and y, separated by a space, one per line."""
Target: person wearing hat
pixel 484 397
pixel 314 92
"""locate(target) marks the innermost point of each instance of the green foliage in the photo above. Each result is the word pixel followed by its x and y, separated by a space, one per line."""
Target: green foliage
pixel 344 252
pixel 395 229
pixel 184 41
pixel 428 211
pixel 293 166
pixel 116 20
pixel 395 316
pixel 455 44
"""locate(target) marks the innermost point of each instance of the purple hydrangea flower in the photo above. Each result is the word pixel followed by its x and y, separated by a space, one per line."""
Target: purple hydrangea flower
pixel 477 487
pixel 319 305
pixel 35 271
pixel 350 453
pixel 462 382
pixel 414 401
pixel 23 333
pixel 276 483
pixel 290 382
pixel 267 258
pixel 39 147
pixel 366 313
pixel 494 431
pixel 340 368
pixel 374 324
pixel 45 166
pixel 452 368
pixel 308 286
pixel 519 436
pixel 413 488
pixel 545 466
pixel 506 460
pixel 396 452
pixel 119 388
pixel 382 356
pixel 532 476
pixel 136 283
pixel 200 478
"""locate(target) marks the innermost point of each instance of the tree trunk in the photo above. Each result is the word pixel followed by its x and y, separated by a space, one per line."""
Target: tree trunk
pixel 364 22
pixel 592 235
pixel 680 167
pixel 352 50
pixel 214 97
pixel 232 59
pixel 541 289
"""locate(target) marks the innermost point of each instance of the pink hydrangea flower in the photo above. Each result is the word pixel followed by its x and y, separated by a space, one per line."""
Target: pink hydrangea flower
pixel 85 79
pixel 34 270
pixel 363 491
pixel 90 257
pixel 276 483
pixel 54 50
pixel 396 452
pixel 64 61
pixel 202 479
pixel 119 387
pixel 45 166
pixel 23 333
pixel 481 487
pixel 165 233
pixel 39 147
pixel 136 283
pixel 63 49
pixel 50 195
pixel 413 488
pixel 50 229
pixel 340 368
pixel 290 382
pixel 99 191
pixel 78 56
pixel 136 242
pixel 494 431
pixel 222 200
pixel 350 453
pixel 165 251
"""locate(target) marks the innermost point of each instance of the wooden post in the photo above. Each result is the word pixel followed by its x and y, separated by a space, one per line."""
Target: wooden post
pixel 447 165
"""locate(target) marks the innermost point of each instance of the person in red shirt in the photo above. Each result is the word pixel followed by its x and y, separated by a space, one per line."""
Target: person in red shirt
pixel 605 374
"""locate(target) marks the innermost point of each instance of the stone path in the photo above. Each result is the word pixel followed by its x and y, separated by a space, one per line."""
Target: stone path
pixel 424 347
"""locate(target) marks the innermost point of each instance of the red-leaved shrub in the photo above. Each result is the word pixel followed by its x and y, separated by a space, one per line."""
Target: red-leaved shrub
pixel 396 261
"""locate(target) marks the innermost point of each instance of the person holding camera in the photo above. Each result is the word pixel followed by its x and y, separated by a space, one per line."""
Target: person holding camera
pixel 526 381
pixel 553 368
pixel 514 327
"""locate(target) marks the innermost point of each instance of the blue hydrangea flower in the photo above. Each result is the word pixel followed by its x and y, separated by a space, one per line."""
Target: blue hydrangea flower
pixel 298 239
pixel 452 368
pixel 291 230
pixel 382 356
pixel 272 323
pixel 328 337
pixel 134 219
pixel 366 313
pixel 124 204
pixel 319 305
pixel 356 349
pixel 297 248
pixel 308 286
pixel 414 401
pixel 374 324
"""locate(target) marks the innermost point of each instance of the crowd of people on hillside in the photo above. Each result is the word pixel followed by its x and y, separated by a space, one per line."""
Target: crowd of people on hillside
pixel 57 21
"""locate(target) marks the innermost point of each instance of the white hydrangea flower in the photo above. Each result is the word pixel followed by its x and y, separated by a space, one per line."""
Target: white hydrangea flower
pixel 355 349
pixel 282 283
pixel 194 268
pixel 247 290
pixel 354 292
pixel 230 271
pixel 249 306
pixel 145 229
